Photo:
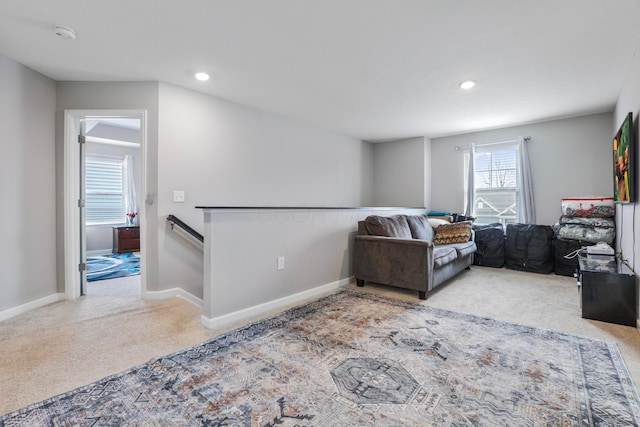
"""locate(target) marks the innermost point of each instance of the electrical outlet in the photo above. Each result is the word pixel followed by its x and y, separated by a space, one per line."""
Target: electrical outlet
pixel 280 263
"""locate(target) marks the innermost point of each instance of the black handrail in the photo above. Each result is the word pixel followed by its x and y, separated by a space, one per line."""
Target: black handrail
pixel 174 220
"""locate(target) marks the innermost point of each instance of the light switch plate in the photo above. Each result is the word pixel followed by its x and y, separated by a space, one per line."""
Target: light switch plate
pixel 178 196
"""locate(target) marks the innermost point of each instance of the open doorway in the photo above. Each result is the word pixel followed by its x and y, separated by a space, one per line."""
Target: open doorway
pixel 105 152
pixel 112 197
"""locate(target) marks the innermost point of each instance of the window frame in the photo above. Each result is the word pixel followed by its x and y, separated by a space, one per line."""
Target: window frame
pixel 503 214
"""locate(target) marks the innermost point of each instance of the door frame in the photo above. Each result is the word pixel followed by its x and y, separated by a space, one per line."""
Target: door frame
pixel 72 220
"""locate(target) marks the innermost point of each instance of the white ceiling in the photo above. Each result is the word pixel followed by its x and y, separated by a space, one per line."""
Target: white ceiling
pixel 372 69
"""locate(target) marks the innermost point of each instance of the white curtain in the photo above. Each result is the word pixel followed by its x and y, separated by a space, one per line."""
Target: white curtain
pixel 471 193
pixel 526 203
pixel 130 201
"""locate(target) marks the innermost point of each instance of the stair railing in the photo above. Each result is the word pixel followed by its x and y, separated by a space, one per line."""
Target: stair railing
pixel 174 220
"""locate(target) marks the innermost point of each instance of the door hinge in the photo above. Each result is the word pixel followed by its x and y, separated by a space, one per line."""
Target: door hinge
pixel 82 266
pixel 82 139
pixel 80 203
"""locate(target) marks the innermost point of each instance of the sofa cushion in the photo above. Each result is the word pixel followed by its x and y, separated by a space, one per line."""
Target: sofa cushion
pixel 464 249
pixel 443 255
pixel 420 227
pixel 457 232
pixel 388 226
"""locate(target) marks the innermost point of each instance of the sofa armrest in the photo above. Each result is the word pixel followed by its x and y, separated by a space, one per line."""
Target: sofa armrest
pixel 406 263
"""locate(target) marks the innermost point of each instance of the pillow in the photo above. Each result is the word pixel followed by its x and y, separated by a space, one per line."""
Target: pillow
pixel 435 222
pixel 457 232
pixel 393 226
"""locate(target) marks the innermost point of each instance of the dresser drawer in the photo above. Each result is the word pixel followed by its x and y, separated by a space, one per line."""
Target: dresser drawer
pixel 129 233
pixel 126 239
pixel 129 245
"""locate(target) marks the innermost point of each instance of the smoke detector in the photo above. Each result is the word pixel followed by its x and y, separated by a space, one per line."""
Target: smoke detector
pixel 65 32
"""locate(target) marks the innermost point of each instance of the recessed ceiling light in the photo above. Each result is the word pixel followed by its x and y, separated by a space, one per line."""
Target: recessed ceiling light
pixel 467 84
pixel 64 32
pixel 203 77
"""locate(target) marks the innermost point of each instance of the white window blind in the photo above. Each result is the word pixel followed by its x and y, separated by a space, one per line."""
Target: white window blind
pixel 104 188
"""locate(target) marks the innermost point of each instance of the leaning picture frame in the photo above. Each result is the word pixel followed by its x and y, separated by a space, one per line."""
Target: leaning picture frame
pixel 624 173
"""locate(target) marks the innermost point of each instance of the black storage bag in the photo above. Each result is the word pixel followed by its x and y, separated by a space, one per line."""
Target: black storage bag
pixel 561 247
pixel 490 242
pixel 529 248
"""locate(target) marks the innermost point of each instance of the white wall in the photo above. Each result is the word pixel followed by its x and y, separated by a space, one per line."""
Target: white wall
pixel 570 157
pixel 219 153
pixel 627 215
pixel 402 172
pixel 225 154
pixel 27 183
pixel 115 132
pixel 242 254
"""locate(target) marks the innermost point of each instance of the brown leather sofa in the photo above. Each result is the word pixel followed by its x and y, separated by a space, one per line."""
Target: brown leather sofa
pixel 404 251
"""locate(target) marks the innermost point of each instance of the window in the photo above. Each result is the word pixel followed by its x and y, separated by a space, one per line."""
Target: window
pixel 500 185
pixel 495 186
pixel 104 187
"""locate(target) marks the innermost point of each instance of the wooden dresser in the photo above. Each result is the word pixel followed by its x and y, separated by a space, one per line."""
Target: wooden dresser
pixel 126 238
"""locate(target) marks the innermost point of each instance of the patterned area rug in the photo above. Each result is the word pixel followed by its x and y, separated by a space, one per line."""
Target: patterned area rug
pixel 112 266
pixel 355 359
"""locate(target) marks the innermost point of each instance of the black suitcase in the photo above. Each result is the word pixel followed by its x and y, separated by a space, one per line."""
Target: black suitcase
pixel 529 248
pixel 490 242
pixel 563 266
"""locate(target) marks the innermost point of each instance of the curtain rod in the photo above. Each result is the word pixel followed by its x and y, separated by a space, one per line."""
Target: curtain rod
pixel 460 147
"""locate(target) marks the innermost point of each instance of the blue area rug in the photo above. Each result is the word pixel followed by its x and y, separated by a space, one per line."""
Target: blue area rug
pixel 112 266
pixel 356 359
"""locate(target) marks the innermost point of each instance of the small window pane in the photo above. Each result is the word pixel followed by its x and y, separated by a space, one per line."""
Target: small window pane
pixel 483 162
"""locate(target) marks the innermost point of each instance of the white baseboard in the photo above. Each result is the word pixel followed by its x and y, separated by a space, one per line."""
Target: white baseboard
pixel 175 292
pixel 210 323
pixel 256 310
pixel 100 252
pixel 14 311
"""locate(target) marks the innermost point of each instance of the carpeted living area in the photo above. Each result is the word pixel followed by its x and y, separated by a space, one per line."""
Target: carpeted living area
pixel 122 287
pixel 355 358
